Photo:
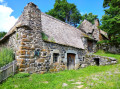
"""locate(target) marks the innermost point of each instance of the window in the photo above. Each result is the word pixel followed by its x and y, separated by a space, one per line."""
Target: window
pixel 83 58
pixel 55 57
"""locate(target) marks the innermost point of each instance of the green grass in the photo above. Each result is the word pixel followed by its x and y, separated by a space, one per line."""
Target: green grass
pixel 91 77
pixel 6 56
pixel 102 53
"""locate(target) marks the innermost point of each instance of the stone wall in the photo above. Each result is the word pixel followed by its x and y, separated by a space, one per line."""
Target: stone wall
pixel 85 43
pixel 11 42
pixel 112 48
pixel 91 59
pixel 43 61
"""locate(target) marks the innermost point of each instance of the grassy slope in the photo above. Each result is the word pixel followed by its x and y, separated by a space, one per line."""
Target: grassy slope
pixel 92 77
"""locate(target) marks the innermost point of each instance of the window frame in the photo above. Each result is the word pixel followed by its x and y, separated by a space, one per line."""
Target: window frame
pixel 55 57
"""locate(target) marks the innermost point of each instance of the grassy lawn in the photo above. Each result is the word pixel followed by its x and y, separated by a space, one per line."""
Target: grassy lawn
pixel 92 77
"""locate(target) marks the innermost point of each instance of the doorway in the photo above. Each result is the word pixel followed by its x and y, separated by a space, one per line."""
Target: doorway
pixel 90 45
pixel 97 61
pixel 70 61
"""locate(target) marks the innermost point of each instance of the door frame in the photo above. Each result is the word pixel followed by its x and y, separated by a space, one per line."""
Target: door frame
pixel 68 61
pixel 88 44
pixel 76 57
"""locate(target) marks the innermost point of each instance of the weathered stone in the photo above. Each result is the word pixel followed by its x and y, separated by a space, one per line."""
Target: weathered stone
pixel 44 50
pixel 24 36
pixel 28 52
pixel 42 72
pixel 31 60
pixel 40 60
pixel 64 84
pixel 17 53
pixel 25 56
pixel 22 66
pixel 83 65
pixel 21 69
pixel 32 65
pixel 22 52
pixel 109 48
pixel 51 70
pixel 24 47
pixel 80 86
pixel 30 70
pixel 56 64
pixel 55 70
pixel 33 47
pixel 22 61
pixel 25 40
pixel 22 43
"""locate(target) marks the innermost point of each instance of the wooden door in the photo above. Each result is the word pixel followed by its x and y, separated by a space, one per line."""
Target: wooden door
pixel 70 61
pixel 90 45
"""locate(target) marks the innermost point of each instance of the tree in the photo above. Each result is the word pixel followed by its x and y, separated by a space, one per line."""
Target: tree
pixel 90 17
pixel 66 12
pixel 111 20
pixel 2 34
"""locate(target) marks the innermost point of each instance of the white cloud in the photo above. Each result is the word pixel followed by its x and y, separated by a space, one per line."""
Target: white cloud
pixel 1 1
pixel 6 20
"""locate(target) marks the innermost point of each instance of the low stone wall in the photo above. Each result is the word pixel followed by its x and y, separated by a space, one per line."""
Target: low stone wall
pixel 109 48
pixel 91 59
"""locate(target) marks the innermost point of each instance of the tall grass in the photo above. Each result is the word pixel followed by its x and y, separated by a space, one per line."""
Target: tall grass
pixel 6 56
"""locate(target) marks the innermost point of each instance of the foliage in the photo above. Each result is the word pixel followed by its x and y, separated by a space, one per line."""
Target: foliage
pixel 103 41
pixel 90 17
pixel 6 56
pixel 2 34
pixel 66 12
pixel 95 77
pixel 44 36
pixel 111 19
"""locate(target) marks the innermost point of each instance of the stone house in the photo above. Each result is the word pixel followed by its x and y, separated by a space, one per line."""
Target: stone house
pixel 92 34
pixel 43 43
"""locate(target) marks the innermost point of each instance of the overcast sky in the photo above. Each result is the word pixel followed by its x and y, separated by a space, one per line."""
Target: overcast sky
pixel 10 10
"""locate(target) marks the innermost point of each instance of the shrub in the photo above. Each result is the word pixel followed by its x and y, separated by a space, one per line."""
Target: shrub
pixel 6 56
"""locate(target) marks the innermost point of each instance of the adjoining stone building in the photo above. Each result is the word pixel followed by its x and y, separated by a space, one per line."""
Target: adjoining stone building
pixel 43 43
pixel 92 34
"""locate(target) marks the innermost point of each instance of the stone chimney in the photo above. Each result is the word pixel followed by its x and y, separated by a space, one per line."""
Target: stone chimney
pixel 30 38
pixel 31 16
pixel 96 22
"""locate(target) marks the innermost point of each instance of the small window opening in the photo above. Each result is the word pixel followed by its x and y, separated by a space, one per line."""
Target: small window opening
pixel 55 57
pixel 83 58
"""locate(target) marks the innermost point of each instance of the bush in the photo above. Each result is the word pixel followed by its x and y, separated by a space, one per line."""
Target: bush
pixel 6 56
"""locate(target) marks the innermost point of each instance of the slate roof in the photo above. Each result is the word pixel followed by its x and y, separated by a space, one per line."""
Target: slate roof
pixel 60 32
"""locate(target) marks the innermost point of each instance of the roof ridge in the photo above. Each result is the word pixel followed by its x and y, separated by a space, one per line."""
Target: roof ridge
pixel 59 20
